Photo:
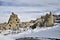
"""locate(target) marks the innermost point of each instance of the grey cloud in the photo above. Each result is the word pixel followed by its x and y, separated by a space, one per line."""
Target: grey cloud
pixel 30 2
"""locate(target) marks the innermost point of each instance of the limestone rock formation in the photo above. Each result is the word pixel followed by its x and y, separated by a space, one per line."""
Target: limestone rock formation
pixel 2 26
pixel 50 20
pixel 14 22
pixel 44 21
pixel 28 24
pixel 57 18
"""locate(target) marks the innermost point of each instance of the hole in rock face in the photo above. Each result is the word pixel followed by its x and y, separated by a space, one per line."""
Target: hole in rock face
pixel 16 19
pixel 10 25
pixel 17 22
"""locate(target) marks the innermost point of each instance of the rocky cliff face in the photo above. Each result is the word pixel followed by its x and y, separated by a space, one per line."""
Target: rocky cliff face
pixel 50 20
pixel 2 26
pixel 14 22
pixel 57 18
pixel 28 24
pixel 44 21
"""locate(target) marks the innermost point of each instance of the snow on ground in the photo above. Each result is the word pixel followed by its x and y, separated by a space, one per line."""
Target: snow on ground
pixel 2 37
pixel 49 32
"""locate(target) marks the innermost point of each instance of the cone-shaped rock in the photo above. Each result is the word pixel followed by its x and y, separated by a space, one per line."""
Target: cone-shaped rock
pixel 14 22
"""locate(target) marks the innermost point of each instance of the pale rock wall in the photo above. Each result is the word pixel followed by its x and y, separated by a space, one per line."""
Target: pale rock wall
pixel 13 22
pixel 50 21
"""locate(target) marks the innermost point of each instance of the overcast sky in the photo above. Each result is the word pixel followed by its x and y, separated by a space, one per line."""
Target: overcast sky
pixel 27 9
pixel 29 2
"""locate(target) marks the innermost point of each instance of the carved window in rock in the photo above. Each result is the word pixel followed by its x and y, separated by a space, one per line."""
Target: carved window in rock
pixel 16 19
pixel 10 25
pixel 10 22
pixel 17 22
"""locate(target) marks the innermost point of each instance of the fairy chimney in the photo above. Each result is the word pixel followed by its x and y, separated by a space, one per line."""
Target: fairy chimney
pixel 13 22
pixel 50 21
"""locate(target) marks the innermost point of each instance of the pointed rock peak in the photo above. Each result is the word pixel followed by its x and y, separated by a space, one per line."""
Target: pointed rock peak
pixel 50 12
pixel 12 13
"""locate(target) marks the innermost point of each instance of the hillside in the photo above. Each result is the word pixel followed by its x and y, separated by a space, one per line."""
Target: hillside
pixel 50 32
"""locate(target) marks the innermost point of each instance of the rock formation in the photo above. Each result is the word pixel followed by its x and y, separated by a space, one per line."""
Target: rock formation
pixel 2 26
pixel 44 21
pixel 28 24
pixel 14 22
pixel 56 18
pixel 50 20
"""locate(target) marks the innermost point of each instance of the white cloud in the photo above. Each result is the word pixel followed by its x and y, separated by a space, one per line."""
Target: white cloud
pixel 31 2
pixel 24 13
pixel 27 13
